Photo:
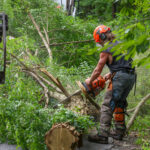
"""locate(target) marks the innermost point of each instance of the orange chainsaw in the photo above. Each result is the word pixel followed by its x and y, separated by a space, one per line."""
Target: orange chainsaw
pixel 94 89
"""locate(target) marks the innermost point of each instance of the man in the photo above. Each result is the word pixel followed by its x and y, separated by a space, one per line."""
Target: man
pixel 122 77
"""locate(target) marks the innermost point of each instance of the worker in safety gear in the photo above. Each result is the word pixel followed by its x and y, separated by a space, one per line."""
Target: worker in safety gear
pixel 122 77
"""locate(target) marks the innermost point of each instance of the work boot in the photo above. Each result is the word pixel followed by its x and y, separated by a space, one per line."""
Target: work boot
pixel 98 139
pixel 117 136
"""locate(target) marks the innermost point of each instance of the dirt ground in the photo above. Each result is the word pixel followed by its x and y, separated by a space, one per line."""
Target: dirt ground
pixel 128 143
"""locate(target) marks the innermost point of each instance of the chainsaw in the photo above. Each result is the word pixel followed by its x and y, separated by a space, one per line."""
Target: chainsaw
pixel 94 89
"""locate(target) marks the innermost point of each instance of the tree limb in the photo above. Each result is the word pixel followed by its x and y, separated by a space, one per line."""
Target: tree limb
pixel 62 88
pixel 42 85
pixel 51 85
pixel 68 98
pixel 46 35
pixel 72 42
pixel 41 35
pixel 55 81
pixel 52 94
pixel 26 67
pixel 131 110
pixel 46 81
pixel 141 103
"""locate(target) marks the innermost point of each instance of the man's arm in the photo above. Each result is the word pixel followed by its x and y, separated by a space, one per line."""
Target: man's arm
pixel 97 71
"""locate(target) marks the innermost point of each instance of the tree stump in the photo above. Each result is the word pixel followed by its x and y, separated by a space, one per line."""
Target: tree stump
pixel 62 137
pixel 84 106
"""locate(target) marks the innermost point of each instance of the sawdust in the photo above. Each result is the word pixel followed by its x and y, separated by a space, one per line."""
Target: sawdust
pixel 83 106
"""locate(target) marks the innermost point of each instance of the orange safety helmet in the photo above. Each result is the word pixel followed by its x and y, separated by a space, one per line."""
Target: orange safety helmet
pixel 99 33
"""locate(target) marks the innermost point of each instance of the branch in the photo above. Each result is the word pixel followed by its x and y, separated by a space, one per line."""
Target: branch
pixel 41 35
pixel 64 29
pixel 141 103
pixel 42 85
pixel 40 77
pixel 131 110
pixel 51 85
pixel 68 98
pixel 46 35
pixel 46 81
pixel 56 96
pixel 55 81
pixel 26 67
pixel 73 42
pixel 62 88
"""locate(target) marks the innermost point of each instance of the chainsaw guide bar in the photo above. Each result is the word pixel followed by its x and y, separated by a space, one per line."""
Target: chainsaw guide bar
pixel 81 86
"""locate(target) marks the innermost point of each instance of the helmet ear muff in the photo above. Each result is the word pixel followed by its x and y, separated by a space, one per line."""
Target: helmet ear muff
pixel 102 36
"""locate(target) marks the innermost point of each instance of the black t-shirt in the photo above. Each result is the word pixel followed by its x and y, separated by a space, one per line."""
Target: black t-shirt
pixel 120 64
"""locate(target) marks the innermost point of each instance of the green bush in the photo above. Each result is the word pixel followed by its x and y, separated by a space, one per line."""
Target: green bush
pixel 26 124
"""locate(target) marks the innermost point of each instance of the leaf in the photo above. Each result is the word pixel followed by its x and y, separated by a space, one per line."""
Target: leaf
pixel 127 30
pixel 141 27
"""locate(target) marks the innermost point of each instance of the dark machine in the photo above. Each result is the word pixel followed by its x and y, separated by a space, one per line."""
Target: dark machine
pixel 3 29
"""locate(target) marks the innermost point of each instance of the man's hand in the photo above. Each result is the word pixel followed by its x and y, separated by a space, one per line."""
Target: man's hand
pixel 87 81
pixel 107 76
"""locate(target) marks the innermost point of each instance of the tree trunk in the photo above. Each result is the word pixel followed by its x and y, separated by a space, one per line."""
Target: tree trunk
pixel 62 137
pixel 114 9
pixel 70 6
pixel 67 4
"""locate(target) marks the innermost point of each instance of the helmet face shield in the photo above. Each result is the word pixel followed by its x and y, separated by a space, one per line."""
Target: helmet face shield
pixel 99 33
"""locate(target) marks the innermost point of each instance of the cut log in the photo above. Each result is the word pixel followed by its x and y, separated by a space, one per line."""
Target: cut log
pixel 62 137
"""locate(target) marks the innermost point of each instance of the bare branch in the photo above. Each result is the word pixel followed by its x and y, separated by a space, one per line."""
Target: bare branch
pixel 46 35
pixel 51 85
pixel 62 88
pixel 68 98
pixel 55 81
pixel 141 103
pixel 41 35
pixel 42 85
pixel 131 110
pixel 26 68
pixel 73 42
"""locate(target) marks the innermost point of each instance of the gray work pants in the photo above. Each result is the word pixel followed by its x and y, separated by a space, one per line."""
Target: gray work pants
pixel 122 83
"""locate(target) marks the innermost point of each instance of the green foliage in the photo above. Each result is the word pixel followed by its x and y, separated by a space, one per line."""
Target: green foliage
pixel 82 123
pixel 97 9
pixel 23 120
pixel 26 124
pixel 60 28
pixel 142 126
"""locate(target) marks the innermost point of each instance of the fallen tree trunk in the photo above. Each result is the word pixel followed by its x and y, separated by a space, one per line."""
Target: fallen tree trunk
pixel 62 137
pixel 137 109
